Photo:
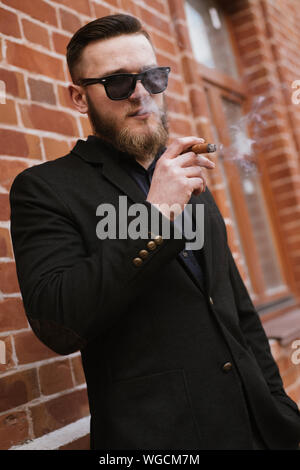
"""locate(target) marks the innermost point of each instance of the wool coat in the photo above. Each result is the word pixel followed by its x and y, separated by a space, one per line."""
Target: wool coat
pixel 170 363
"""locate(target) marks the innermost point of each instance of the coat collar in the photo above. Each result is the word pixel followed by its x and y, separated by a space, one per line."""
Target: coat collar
pixel 98 152
pixel 93 150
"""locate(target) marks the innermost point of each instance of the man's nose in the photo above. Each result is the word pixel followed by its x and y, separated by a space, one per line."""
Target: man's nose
pixel 139 91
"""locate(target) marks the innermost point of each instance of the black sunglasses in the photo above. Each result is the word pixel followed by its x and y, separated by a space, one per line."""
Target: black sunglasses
pixel 120 86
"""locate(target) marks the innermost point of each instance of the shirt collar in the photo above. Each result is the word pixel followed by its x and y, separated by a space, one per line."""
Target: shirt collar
pixel 132 164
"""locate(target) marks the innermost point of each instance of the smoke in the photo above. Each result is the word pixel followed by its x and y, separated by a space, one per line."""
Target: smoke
pixel 148 105
pixel 254 132
pixel 246 136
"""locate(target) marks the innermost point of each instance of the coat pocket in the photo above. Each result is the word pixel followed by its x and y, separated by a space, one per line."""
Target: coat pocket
pixel 151 412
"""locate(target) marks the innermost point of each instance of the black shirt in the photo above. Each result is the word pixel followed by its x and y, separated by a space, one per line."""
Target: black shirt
pixel 143 178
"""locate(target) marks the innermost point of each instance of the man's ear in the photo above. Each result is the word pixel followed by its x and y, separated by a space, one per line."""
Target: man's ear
pixel 78 97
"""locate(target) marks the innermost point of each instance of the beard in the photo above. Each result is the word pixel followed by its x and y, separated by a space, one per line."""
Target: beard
pixel 143 146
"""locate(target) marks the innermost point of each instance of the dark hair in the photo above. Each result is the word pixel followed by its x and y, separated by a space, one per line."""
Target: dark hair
pixel 102 28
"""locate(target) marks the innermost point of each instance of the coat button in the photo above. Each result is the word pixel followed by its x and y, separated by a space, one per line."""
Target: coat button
pixel 143 254
pixel 151 245
pixel 137 261
pixel 158 239
pixel 227 367
pixel 211 300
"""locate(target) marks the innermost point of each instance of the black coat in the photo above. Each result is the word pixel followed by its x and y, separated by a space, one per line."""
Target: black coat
pixel 153 341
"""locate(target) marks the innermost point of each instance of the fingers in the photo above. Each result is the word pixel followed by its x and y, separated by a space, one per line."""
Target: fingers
pixel 195 174
pixel 197 185
pixel 196 192
pixel 193 171
pixel 181 144
pixel 191 158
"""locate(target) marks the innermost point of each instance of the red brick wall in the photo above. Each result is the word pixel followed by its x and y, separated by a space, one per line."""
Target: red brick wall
pixel 40 391
pixel 267 36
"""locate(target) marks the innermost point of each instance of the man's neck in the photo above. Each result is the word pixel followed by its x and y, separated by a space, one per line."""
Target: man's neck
pixel 145 162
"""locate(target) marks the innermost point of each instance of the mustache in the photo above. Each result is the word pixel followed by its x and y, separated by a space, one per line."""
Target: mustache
pixel 144 106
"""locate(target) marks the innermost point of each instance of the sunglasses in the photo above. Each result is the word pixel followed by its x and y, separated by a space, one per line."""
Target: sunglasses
pixel 120 86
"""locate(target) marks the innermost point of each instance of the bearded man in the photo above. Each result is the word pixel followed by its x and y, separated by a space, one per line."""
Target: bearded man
pixel 173 350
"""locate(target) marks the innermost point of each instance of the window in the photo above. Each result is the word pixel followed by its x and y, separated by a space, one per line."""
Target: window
pixel 209 36
pixel 226 98
pixel 253 194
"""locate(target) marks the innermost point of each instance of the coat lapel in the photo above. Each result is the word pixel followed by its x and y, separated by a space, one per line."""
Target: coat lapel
pixel 113 171
pixel 118 176
pixel 103 154
pixel 206 250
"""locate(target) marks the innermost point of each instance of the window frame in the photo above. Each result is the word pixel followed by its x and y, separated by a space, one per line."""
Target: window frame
pixel 219 84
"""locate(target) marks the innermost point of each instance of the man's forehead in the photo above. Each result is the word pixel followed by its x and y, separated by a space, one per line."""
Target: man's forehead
pixel 127 53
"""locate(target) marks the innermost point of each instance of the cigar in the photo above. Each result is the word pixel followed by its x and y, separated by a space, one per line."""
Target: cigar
pixel 204 148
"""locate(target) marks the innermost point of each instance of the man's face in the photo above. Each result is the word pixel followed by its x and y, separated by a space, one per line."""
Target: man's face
pixel 140 134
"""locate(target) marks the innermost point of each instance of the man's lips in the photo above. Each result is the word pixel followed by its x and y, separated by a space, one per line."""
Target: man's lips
pixel 140 112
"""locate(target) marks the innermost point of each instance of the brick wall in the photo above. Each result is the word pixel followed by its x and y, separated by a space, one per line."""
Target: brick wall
pixel 267 37
pixel 268 40
pixel 41 392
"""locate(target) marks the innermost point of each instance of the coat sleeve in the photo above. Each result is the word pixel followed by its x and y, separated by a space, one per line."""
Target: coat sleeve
pixel 255 336
pixel 72 296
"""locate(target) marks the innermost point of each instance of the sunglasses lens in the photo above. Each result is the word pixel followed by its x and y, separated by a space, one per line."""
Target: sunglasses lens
pixel 156 80
pixel 119 87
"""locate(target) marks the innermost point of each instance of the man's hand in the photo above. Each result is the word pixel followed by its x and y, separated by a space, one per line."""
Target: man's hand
pixel 177 175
